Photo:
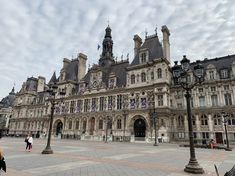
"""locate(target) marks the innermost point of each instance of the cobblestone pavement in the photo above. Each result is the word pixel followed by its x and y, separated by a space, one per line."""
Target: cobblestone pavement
pixel 89 158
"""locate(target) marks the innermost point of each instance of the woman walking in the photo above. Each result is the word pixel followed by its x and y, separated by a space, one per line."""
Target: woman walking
pixel 30 141
pixel 27 142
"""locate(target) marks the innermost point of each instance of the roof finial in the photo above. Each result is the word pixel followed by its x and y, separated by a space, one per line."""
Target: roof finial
pixel 108 21
pixel 146 32
pixel 156 30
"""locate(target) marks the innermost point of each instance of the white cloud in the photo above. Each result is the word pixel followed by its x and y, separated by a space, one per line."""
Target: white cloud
pixel 37 35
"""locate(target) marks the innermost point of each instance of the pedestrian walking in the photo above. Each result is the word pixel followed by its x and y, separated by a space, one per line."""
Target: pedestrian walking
pixel 26 140
pixel 2 163
pixel 30 142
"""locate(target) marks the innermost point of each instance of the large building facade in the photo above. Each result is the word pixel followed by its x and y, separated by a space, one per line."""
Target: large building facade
pixel 117 98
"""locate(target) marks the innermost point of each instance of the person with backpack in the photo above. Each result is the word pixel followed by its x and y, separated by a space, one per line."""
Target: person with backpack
pixel 26 140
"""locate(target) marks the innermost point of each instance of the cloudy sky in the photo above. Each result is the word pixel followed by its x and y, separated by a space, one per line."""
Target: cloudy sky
pixel 36 35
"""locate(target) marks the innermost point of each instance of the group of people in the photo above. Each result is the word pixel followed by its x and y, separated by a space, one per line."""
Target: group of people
pixel 29 142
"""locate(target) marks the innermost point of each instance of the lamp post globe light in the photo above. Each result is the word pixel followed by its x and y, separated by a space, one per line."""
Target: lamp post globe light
pixel 51 92
pixel 181 75
pixel 225 121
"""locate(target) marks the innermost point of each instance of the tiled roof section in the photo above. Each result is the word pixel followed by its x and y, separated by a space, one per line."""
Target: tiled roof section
pixel 53 79
pixel 154 47
pixel 71 71
pixel 219 63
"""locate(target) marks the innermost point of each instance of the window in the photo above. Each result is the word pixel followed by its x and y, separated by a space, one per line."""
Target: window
pixel 224 74
pixel 200 89
pixel 132 79
pixel 180 121
pixel 226 87
pixel 119 124
pixel 119 102
pixel 205 135
pixel 110 102
pixel 202 101
pixel 79 106
pixel 214 100
pixel 100 124
pixel 217 119
pixel 72 104
pixel 179 105
pixel 231 120
pixel 132 103
pixel 143 57
pixel 77 125
pixel 84 126
pixel 143 77
pixel 143 102
pixel 211 75
pixel 101 103
pixel 93 104
pixel 86 105
pixel 70 124
pixel 204 120
pixel 152 76
pixel 193 120
pixel 138 78
pixel 181 135
pixel 213 89
pixel 160 100
pixel 159 73
pixel 228 99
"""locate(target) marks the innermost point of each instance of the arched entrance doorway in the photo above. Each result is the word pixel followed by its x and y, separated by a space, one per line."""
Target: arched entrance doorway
pixel 139 129
pixel 58 128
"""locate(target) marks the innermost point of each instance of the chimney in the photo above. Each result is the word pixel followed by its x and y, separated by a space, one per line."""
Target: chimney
pixel 41 84
pixel 138 42
pixel 65 63
pixel 81 65
pixel 166 42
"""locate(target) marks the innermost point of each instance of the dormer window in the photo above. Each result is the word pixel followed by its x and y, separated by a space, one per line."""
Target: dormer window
pixel 211 75
pixel 224 74
pixel 143 57
pixel 159 73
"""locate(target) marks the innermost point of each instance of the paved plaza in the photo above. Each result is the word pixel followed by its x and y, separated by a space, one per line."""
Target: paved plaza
pixel 89 158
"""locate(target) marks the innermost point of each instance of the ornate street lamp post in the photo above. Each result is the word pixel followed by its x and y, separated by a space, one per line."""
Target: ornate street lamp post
pixel 125 112
pixel 225 121
pixel 52 92
pixel 181 76
pixel 107 127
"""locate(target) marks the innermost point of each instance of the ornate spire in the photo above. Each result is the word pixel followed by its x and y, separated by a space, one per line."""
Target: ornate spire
pixel 107 43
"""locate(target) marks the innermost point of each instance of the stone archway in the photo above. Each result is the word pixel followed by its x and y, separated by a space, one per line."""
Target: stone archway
pixel 58 127
pixel 139 129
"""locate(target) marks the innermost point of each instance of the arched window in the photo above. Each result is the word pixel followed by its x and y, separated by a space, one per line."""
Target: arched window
pixel 159 73
pixel 119 124
pixel 217 119
pixel 204 120
pixel 132 79
pixel 143 77
pixel 70 124
pixel 152 75
pixel 180 121
pixel 84 126
pixel 231 120
pixel 101 124
pixel 77 125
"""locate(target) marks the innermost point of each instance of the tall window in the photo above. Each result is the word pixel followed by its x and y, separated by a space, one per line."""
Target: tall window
pixel 217 119
pixel 204 120
pixel 132 79
pixel 231 120
pixel 205 135
pixel 180 121
pixel 79 106
pixel 211 75
pixel 72 104
pixel 84 126
pixel 137 78
pixel 93 104
pixel 160 100
pixel 143 77
pixel 228 99
pixel 77 125
pixel 86 104
pixel 119 124
pixel 100 124
pixel 143 57
pixel 152 76
pixel 70 124
pixel 226 87
pixel 119 102
pixel 159 73
pixel 101 103
pixel 202 102
pixel 214 100
pixel 213 89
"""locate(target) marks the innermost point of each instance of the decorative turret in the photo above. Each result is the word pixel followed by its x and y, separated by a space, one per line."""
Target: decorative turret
pixel 107 53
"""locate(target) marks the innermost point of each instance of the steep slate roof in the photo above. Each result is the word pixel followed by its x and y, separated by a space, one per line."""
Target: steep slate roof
pixel 219 63
pixel 120 72
pixel 53 79
pixel 154 47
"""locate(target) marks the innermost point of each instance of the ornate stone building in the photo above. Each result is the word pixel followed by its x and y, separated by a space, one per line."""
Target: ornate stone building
pixel 117 98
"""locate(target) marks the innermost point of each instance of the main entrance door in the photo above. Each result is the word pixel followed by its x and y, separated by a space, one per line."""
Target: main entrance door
pixel 59 128
pixel 219 138
pixel 139 129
